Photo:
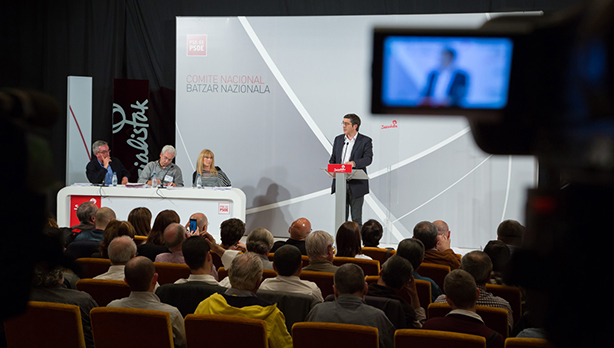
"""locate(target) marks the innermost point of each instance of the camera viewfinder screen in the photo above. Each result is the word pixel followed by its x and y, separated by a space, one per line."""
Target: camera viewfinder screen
pixel 443 72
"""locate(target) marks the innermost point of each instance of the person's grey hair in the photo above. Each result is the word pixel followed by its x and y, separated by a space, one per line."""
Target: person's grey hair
pixel 317 243
pixel 260 241
pixel 349 279
pixel 97 144
pixel 85 211
pixel 169 148
pixel 478 264
pixel 121 249
pixel 245 271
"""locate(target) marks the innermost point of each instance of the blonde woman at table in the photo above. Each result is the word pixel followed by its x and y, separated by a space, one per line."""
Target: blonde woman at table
pixel 210 174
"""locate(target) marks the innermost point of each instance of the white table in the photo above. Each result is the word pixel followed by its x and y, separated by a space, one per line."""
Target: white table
pixel 218 204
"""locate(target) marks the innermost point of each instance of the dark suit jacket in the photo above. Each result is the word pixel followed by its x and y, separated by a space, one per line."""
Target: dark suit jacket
pixel 362 156
pixel 95 172
pixel 457 89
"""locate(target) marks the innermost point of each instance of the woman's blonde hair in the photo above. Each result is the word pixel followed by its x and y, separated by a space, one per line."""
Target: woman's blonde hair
pixel 199 162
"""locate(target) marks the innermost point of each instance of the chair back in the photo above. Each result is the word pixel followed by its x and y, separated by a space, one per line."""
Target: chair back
pixel 187 296
pixel 222 273
pixel 104 291
pixel 168 273
pixel 494 318
pixel 217 261
pixel 324 280
pixel 295 307
pixel 92 266
pixel 436 272
pixel 522 342
pixel 138 240
pixel 370 267
pixel 370 279
pixel 214 330
pixel 436 339
pixel 511 294
pixel 333 335
pixel 379 254
pixel 46 324
pixel 116 327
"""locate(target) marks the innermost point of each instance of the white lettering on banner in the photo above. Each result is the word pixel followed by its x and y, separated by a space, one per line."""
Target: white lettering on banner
pixel 139 127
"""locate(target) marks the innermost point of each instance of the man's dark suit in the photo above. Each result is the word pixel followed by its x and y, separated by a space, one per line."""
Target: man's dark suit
pixel 456 90
pixel 95 172
pixel 362 156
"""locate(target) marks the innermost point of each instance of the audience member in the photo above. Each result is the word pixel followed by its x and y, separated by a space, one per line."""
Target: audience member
pixel 395 276
pixel 412 250
pixel 461 294
pixel 202 223
pixel 174 235
pixel 320 250
pixel 349 306
pixel 298 231
pixel 231 232
pixel 121 250
pixel 155 241
pixel 86 213
pixel 197 255
pixel 287 263
pixel 48 282
pixel 140 218
pixel 371 232
pixel 260 241
pixel 104 215
pixel 142 278
pixel 240 300
pixel 511 233
pixel 114 229
pixel 348 241
pixel 499 254
pixel 436 247
pixel 442 228
pixel 478 264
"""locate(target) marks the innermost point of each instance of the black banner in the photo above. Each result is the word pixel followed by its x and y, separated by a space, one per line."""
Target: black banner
pixel 131 126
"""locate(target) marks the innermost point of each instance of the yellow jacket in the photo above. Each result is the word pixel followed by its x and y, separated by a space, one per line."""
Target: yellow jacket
pixel 277 332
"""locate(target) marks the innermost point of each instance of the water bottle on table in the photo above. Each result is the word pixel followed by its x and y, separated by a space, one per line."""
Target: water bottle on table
pixel 114 180
pixel 154 181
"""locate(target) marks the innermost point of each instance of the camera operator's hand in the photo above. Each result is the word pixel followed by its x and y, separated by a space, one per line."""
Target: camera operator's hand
pixel 443 242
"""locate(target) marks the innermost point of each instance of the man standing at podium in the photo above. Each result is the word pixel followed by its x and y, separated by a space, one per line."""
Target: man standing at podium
pixel 355 149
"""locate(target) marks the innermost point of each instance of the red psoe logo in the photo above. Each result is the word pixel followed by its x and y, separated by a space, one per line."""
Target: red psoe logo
pixel 197 45
pixel 223 208
pixel 339 168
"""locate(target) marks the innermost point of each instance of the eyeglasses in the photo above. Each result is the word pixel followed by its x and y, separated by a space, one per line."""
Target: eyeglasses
pixel 346 123
pixel 104 152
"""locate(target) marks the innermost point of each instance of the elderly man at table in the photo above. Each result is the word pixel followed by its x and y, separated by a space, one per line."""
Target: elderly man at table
pixel 167 172
pixel 102 166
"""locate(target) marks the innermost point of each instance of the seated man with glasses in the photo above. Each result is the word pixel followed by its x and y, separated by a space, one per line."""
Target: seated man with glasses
pixel 101 167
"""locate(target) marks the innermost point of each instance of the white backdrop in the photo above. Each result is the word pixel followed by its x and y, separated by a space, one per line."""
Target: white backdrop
pixel 267 95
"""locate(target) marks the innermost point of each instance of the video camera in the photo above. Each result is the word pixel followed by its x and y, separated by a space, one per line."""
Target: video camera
pixel 529 85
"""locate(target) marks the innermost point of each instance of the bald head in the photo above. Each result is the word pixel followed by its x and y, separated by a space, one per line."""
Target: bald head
pixel 300 229
pixel 201 221
pixel 140 274
pixel 174 235
pixel 121 250
pixel 103 216
pixel 442 227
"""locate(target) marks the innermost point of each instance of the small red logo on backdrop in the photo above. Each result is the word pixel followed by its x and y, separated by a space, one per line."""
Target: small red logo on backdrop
pixel 393 125
pixel 223 208
pixel 197 45
pixel 339 168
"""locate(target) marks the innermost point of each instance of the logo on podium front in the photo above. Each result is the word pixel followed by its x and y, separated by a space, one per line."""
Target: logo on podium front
pixel 339 168
pixel 223 208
